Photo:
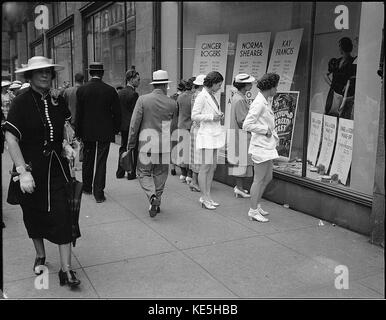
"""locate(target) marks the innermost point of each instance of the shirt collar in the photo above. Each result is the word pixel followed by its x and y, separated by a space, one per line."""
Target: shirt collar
pixel 158 91
pixel 130 85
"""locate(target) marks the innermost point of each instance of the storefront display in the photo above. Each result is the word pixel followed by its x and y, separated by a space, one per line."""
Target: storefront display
pixel 321 69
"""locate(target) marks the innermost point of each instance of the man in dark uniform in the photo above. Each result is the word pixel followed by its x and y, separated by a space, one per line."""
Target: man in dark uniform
pixel 98 119
pixel 127 97
pixel 151 124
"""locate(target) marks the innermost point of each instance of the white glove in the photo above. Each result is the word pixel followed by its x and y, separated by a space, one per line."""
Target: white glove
pixel 27 183
pixel 69 152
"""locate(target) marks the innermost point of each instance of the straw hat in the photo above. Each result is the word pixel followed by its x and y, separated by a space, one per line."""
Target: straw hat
pixel 15 85
pixel 160 76
pixel 5 83
pixel 199 80
pixel 39 62
pixel 244 78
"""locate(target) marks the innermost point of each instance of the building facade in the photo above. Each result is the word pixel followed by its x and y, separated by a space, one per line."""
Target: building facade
pixel 331 111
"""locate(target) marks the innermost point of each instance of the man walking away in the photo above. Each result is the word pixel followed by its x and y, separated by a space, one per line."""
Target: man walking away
pixel 151 124
pixel 70 96
pixel 127 97
pixel 98 119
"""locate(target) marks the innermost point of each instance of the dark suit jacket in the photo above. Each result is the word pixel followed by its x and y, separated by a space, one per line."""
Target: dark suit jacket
pixel 184 102
pixel 153 111
pixel 127 97
pixel 98 112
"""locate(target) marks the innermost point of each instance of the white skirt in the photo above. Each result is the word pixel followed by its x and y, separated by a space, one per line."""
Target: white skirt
pixel 206 141
pixel 260 155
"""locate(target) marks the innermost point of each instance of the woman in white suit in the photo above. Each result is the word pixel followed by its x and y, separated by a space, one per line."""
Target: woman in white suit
pixel 210 136
pixel 261 122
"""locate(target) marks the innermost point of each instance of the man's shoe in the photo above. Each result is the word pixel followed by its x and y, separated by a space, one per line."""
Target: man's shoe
pixel 120 176
pixel 100 200
pixel 131 177
pixel 153 207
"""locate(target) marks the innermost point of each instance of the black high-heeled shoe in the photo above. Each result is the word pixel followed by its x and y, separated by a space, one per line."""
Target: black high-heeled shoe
pixel 72 282
pixel 39 262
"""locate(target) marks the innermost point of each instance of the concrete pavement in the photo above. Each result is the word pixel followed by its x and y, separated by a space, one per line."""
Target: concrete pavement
pixel 190 252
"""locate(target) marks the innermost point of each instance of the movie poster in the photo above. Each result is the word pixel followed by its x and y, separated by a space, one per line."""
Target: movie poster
pixel 284 105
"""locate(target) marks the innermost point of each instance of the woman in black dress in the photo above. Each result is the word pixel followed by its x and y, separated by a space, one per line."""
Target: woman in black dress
pixel 342 84
pixel 34 135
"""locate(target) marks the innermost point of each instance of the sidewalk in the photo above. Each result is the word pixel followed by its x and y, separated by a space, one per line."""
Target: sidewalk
pixel 189 252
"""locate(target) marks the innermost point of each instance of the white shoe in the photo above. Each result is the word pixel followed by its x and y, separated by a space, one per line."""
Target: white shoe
pixel 240 193
pixel 262 212
pixel 182 179
pixel 188 180
pixel 255 215
pixel 214 203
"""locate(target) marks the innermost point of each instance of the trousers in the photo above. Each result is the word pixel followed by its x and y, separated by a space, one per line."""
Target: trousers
pixel 96 182
pixel 152 176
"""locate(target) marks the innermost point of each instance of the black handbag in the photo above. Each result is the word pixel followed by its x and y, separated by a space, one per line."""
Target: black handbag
pixel 126 161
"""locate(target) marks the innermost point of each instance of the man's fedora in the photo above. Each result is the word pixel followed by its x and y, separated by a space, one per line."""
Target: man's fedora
pixel 39 62
pixel 160 76
pixel 95 66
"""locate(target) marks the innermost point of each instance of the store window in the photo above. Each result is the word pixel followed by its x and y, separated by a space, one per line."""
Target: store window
pixel 106 40
pixel 62 52
pixel 340 96
pixel 237 37
pixel 345 96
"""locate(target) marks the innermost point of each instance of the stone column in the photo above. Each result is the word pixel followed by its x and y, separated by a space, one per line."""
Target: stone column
pixel 144 44
pixel 377 217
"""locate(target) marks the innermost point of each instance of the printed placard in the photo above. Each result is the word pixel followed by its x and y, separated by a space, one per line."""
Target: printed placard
pixel 314 139
pixel 211 54
pixel 284 56
pixel 284 106
pixel 328 141
pixel 343 151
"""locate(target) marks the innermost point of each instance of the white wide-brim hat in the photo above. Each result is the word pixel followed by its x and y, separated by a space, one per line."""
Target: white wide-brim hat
pixel 244 78
pixel 15 85
pixel 199 80
pixel 39 62
pixel 5 83
pixel 160 76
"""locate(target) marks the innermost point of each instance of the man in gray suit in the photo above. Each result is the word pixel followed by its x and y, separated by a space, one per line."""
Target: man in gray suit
pixel 151 122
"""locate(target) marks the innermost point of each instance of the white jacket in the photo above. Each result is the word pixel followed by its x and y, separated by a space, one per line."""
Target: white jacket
pixel 211 134
pixel 261 117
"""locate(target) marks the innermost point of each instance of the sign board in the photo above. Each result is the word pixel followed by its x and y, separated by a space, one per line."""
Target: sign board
pixel 343 151
pixel 315 137
pixel 284 56
pixel 211 54
pixel 328 141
